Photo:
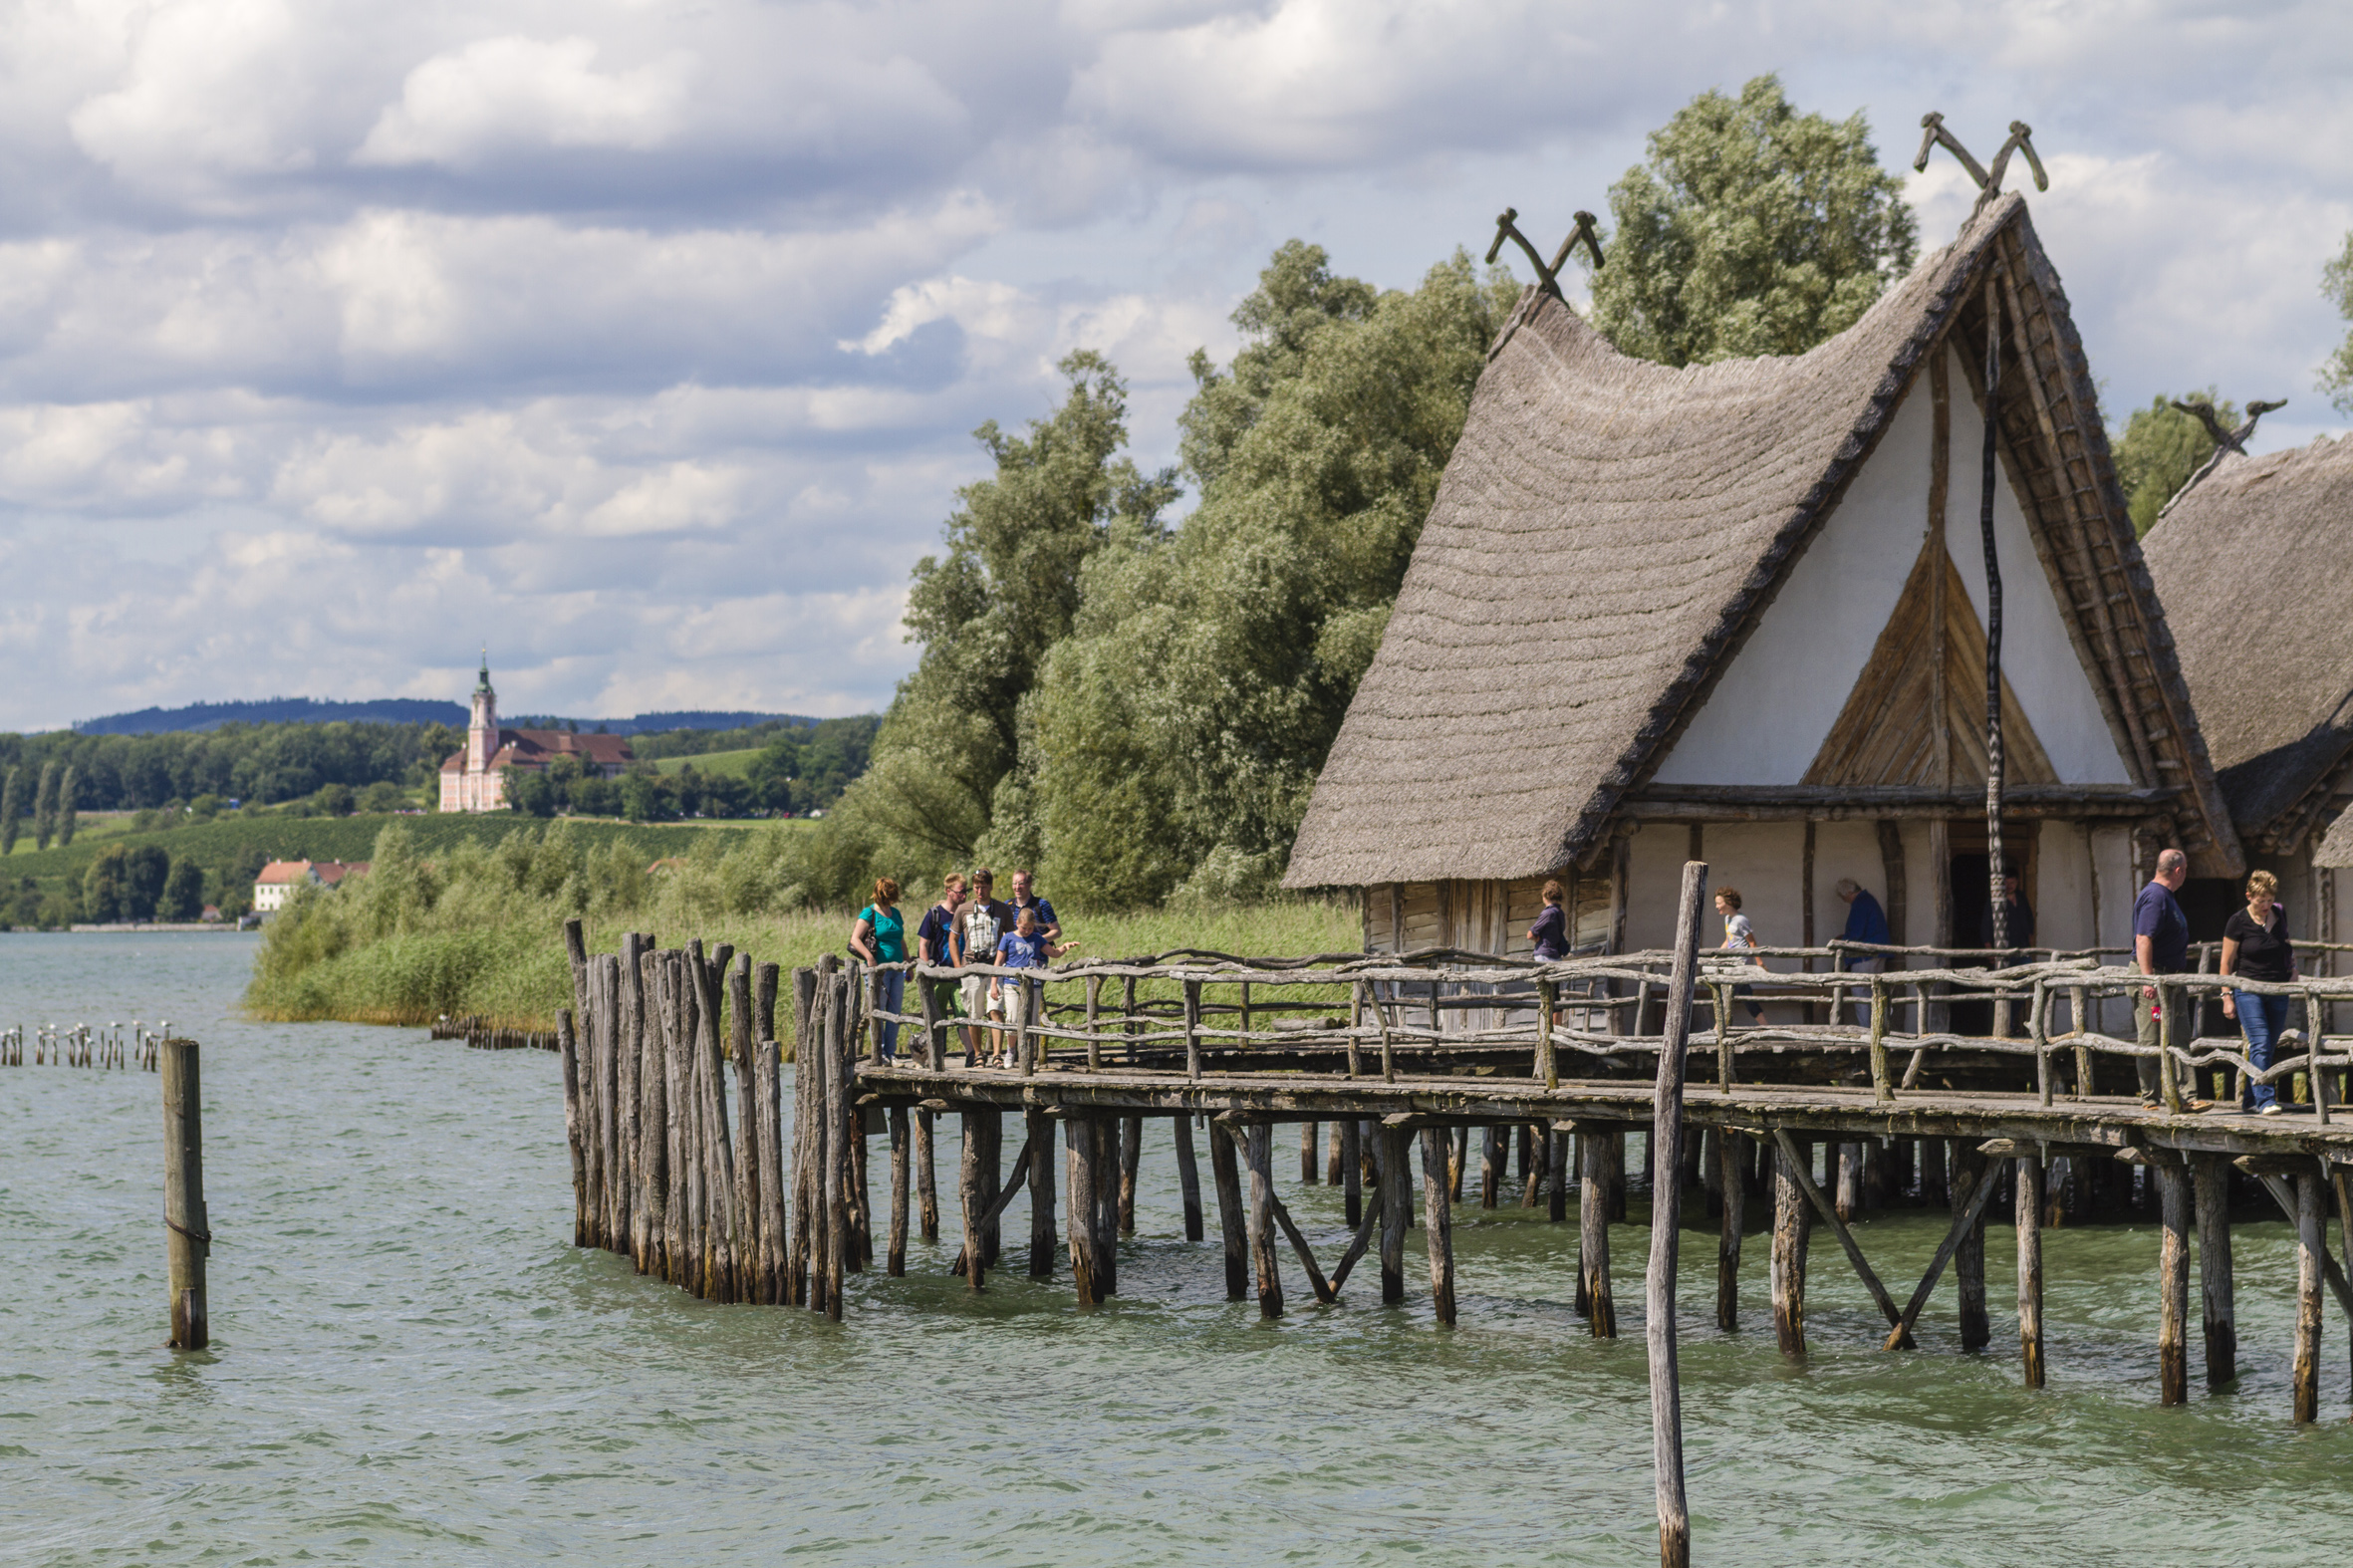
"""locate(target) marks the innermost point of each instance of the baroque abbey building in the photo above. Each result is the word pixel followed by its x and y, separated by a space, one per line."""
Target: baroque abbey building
pixel 475 779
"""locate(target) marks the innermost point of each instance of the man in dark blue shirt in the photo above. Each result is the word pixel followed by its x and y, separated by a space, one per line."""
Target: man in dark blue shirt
pixel 1048 927
pixel 1866 922
pixel 2161 946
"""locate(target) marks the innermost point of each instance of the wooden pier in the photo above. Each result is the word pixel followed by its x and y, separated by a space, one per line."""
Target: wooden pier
pixel 687 1158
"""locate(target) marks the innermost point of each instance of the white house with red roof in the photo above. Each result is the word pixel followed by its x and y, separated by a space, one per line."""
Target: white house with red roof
pixel 475 779
pixel 279 879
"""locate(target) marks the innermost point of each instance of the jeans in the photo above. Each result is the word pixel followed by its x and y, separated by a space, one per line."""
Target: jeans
pixel 2262 1021
pixel 2177 1028
pixel 890 995
pixel 1746 995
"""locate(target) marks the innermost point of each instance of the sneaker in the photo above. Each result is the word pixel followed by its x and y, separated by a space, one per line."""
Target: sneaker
pixel 2268 1110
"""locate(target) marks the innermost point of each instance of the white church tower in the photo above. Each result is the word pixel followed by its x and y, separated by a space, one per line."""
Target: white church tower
pixel 481 735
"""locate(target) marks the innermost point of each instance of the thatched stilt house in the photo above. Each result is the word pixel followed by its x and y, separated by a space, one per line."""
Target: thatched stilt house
pixel 1737 610
pixel 2256 567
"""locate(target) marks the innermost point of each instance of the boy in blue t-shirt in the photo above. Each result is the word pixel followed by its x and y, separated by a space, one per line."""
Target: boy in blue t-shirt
pixel 1022 948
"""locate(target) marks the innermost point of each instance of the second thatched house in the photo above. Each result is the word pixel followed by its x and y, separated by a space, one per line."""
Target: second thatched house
pixel 1737 610
pixel 2256 567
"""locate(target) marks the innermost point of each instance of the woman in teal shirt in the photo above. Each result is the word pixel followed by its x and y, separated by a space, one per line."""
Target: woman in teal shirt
pixel 880 938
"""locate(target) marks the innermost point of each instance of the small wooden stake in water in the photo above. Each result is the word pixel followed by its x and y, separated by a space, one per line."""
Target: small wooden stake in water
pixel 187 1235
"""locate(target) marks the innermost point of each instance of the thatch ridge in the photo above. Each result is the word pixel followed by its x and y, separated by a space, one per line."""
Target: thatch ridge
pixel 2255 571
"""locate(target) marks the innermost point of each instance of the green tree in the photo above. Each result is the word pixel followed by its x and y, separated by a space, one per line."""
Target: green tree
pixel 103 885
pixel 381 798
pixel 2159 449
pixel 1180 727
pixel 1750 229
pixel 12 809
pixel 45 807
pixel 182 898
pixel 69 789
pixel 145 872
pixel 2336 281
pixel 1003 592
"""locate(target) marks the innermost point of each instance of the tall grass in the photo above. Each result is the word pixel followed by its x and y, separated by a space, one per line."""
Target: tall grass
pixel 477 929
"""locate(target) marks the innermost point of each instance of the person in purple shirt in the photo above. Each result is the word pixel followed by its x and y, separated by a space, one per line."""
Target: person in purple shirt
pixel 1550 934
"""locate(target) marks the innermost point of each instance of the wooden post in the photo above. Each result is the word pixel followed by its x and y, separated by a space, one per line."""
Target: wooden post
pixel 1193 1034
pixel 654 1114
pixel 1225 1173
pixel 2029 1221
pixel 1310 1136
pixel 187 1232
pixel 934 1034
pixel 1352 1172
pixel 567 1047
pixel 972 1195
pixel 1556 1159
pixel 1968 1258
pixel 1265 1260
pixel 1490 1166
pixel 1732 1161
pixel 895 1248
pixel 768 1089
pixel 1882 1085
pixel 2172 1282
pixel 1593 1229
pixel 1189 1177
pixel 1130 1156
pixel 992 1178
pixel 2211 1192
pixel 1106 1205
pixel 1848 1156
pixel 2311 1248
pixel 1439 1220
pixel 1547 1069
pixel 1397 1209
pixel 1667 1133
pixel 1079 1130
pixel 926 1179
pixel 1040 1128
pixel 751 1156
pixel 1792 1225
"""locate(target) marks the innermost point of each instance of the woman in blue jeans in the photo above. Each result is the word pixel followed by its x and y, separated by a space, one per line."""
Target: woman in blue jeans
pixel 880 936
pixel 2256 948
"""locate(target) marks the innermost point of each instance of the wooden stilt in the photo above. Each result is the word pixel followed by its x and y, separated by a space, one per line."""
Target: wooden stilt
pixel 187 1238
pixel 1348 1170
pixel 1225 1173
pixel 1792 1222
pixel 1490 1166
pixel 894 1255
pixel 1397 1209
pixel 1189 1177
pixel 1593 1233
pixel 1130 1156
pixel 2311 1248
pixel 1265 1260
pixel 1437 1194
pixel 1968 1258
pixel 1556 1159
pixel 568 1050
pixel 1107 1205
pixel 1336 1143
pixel 2172 1282
pixel 1732 1163
pixel 972 1194
pixel 1458 1163
pixel 1079 1130
pixel 2028 1214
pixel 992 1181
pixel 2211 1194
pixel 1040 1127
pixel 1666 1167
pixel 1850 1180
pixel 1310 1140
pixel 926 1179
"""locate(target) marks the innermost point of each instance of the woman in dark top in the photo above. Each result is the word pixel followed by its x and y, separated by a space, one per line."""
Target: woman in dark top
pixel 2256 948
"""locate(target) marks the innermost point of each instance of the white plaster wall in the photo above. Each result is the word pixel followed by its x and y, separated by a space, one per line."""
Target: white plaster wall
pixel 2062 884
pixel 1844 849
pixel 1654 880
pixel 1774 706
pixel 2037 656
pixel 1765 861
pixel 2111 864
pixel 1919 884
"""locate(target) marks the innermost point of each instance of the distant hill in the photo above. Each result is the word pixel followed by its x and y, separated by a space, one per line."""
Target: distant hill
pixel 277 710
pixel 401 710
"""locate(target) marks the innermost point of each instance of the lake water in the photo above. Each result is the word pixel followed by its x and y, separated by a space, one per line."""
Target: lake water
pixel 411 1363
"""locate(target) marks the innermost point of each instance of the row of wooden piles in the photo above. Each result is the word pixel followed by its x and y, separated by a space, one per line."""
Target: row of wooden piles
pixel 81 1045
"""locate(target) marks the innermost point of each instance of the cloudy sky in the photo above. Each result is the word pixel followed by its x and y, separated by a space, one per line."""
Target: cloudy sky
pixel 644 341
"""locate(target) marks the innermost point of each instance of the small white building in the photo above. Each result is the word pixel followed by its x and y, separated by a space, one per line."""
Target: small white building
pixel 279 879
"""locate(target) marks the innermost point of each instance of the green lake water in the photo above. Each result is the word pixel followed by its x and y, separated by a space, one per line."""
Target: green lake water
pixel 413 1365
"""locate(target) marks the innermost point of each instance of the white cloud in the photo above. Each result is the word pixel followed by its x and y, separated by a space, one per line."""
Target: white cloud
pixel 500 93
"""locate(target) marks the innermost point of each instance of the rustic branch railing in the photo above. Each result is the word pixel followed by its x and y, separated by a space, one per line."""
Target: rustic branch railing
pixel 1606 1009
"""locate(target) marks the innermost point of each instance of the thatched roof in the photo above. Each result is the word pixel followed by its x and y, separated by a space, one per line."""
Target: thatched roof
pixel 2256 567
pixel 1607 533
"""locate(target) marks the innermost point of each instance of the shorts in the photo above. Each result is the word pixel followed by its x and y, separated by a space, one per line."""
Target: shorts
pixel 1015 1002
pixel 977 1002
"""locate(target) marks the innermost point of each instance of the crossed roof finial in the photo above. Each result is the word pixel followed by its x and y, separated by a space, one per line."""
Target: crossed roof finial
pixel 1934 136
pixel 1507 229
pixel 2226 441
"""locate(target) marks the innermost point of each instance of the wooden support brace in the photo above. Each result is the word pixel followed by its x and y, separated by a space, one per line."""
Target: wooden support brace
pixel 1829 1213
pixel 1963 1224
pixel 1325 1292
